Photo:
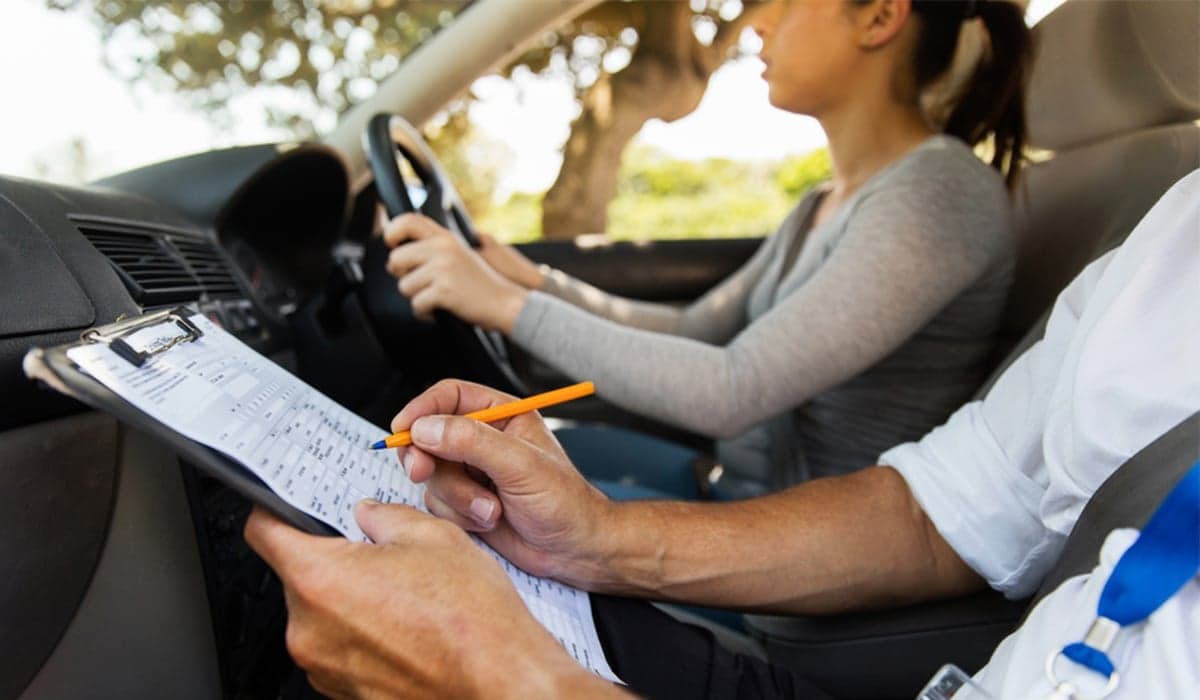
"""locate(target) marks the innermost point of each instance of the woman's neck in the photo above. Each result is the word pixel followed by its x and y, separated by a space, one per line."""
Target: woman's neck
pixel 865 138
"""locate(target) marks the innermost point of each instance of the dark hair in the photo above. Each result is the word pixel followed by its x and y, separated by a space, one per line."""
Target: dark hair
pixel 993 100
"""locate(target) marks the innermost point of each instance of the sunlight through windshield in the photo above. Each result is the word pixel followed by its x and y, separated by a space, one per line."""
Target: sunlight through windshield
pixel 114 84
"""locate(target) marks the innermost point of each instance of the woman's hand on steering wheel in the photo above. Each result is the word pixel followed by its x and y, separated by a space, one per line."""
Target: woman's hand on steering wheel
pixel 437 271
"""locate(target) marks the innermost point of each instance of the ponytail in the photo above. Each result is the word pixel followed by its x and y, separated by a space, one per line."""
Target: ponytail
pixel 993 101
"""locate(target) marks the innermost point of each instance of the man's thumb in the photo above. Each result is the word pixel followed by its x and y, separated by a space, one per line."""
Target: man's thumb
pixel 505 458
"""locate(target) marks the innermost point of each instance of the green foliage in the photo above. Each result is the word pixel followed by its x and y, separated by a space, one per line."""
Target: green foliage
pixel 798 174
pixel 519 220
pixel 667 198
pixel 606 38
pixel 645 171
pixel 730 214
pixel 662 197
pixel 307 61
pixel 314 57
pixel 472 160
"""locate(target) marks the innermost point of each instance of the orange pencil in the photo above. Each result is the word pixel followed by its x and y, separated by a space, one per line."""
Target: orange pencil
pixel 505 410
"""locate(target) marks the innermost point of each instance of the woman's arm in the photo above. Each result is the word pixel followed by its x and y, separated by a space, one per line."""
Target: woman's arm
pixel 715 317
pixel 436 270
pixel 899 263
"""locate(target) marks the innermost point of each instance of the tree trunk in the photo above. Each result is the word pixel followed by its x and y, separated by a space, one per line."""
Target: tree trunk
pixel 665 79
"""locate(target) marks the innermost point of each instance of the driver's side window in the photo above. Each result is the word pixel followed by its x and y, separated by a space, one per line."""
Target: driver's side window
pixel 587 134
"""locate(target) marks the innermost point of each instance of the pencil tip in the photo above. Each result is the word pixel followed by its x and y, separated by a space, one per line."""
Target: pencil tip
pixel 379 445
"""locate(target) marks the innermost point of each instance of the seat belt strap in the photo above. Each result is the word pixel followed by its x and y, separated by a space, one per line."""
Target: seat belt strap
pixel 1125 499
pixel 1165 556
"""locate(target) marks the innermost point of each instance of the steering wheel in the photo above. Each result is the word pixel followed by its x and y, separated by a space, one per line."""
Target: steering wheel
pixel 408 178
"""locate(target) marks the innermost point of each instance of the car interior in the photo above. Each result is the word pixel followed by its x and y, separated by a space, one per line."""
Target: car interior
pixel 1110 135
pixel 126 573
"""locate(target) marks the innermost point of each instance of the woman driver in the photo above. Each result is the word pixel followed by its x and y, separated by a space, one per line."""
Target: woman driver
pixel 859 324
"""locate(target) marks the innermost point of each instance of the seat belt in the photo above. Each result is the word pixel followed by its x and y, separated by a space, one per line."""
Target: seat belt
pixel 1126 499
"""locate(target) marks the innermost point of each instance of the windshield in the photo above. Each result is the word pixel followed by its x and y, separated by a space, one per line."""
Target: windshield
pixel 108 85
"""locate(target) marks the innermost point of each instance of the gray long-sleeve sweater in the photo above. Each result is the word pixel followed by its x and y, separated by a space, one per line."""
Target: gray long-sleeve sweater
pixel 879 328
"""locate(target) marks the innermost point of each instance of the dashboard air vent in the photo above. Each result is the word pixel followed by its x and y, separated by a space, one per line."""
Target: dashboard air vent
pixel 160 267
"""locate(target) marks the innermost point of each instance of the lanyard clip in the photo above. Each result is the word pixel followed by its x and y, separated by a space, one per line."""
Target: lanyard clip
pixel 1065 690
pixel 1101 634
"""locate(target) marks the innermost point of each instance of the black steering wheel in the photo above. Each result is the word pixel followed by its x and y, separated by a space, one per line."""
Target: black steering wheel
pixel 408 178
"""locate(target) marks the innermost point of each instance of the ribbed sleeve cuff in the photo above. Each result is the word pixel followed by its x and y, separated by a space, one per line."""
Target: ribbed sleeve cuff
pixel 554 282
pixel 529 321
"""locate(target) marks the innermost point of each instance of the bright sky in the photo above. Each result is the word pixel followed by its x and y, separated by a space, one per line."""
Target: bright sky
pixel 59 92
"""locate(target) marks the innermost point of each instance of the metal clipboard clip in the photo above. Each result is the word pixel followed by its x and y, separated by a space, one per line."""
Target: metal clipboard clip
pixel 114 335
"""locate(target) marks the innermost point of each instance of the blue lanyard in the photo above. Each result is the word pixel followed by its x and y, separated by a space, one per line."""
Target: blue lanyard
pixel 1164 558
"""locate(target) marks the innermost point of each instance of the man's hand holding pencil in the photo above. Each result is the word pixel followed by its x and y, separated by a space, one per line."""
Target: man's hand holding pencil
pixel 508 481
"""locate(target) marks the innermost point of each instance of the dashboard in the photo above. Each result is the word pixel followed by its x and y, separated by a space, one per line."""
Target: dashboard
pixel 246 235
pixel 251 237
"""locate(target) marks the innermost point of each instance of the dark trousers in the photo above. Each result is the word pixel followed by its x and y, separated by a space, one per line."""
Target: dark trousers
pixel 660 657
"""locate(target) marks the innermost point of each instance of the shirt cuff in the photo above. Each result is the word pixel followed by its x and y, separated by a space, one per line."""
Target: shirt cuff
pixel 986 510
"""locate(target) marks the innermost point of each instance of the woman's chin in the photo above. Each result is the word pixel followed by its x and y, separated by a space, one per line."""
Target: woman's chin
pixel 780 102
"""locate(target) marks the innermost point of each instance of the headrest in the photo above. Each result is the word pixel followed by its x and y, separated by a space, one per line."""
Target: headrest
pixel 1105 68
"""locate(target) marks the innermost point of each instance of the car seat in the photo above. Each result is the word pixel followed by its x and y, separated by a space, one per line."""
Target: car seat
pixel 1113 100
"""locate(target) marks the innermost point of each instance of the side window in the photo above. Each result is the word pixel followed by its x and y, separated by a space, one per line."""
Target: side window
pixel 669 183
pixel 608 127
pixel 646 153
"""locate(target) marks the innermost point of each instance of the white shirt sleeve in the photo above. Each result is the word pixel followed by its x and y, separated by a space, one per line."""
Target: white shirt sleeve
pixel 1005 478
pixel 993 447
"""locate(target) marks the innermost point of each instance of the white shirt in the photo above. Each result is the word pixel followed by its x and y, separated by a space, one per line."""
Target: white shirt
pixel 1005 478
pixel 1158 659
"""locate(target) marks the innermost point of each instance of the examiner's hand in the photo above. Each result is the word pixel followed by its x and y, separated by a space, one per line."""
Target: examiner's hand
pixel 422 612
pixel 509 481
pixel 437 271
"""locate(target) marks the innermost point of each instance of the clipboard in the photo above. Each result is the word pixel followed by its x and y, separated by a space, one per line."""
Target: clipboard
pixel 217 392
pixel 53 367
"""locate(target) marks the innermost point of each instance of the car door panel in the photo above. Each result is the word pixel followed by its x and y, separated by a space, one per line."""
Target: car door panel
pixel 665 271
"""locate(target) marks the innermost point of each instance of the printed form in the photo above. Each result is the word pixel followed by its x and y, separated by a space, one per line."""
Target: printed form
pixel 304 446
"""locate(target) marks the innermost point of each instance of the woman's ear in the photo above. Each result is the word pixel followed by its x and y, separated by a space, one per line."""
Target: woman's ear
pixel 880 21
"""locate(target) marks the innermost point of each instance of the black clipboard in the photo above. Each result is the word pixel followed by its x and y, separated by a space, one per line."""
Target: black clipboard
pixel 55 369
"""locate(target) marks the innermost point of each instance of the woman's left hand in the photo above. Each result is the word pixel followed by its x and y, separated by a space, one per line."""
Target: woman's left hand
pixel 437 271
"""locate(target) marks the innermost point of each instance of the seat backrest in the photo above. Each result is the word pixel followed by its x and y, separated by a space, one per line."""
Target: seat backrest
pixel 1112 106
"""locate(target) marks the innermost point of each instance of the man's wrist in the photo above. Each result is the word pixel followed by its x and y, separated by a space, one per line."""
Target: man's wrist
pixel 570 681
pixel 539 670
pixel 600 563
